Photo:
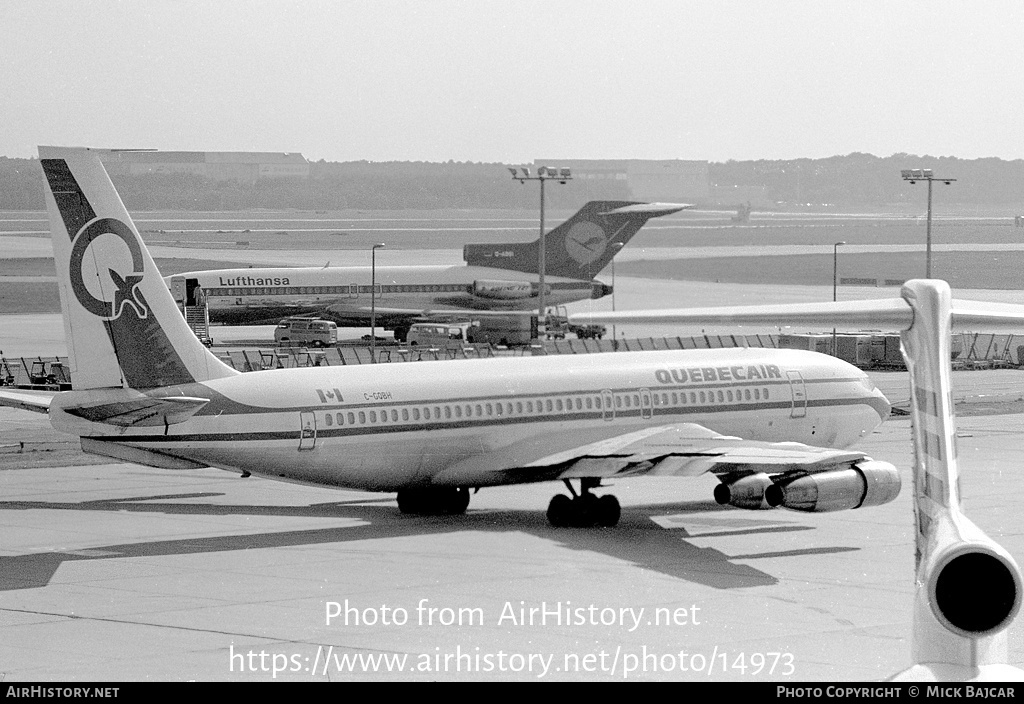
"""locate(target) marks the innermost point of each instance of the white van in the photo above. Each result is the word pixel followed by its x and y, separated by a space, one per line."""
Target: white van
pixel 436 334
pixel 306 331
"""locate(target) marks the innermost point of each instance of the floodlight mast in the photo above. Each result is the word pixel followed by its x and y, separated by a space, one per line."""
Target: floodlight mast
pixel 544 173
pixel 913 176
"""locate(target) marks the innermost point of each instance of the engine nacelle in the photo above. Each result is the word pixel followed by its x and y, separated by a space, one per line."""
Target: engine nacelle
pixel 746 492
pixel 503 290
pixel 865 483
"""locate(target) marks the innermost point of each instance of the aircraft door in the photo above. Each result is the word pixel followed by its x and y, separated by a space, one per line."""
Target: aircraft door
pixel 799 394
pixel 646 404
pixel 607 405
pixel 307 432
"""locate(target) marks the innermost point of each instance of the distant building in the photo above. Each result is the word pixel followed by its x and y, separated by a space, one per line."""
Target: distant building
pixel 245 167
pixel 647 179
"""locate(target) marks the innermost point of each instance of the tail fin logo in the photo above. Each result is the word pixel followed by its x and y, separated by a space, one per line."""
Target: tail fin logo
pixel 127 293
pixel 585 242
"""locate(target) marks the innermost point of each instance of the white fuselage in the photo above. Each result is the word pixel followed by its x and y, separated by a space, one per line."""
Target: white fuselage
pixel 346 291
pixel 384 427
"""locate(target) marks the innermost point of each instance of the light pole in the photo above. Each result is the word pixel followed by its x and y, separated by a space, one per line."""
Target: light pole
pixel 617 246
pixel 915 175
pixel 835 281
pixel 544 173
pixel 373 301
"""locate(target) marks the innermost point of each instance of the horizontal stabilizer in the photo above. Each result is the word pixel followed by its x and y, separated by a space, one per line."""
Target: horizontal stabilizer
pixel 651 209
pixel 141 411
pixel 27 400
pixel 884 313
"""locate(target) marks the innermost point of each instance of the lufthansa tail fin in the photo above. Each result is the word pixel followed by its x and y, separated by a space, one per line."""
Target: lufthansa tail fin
pixel 122 327
pixel 580 247
pixel 969 588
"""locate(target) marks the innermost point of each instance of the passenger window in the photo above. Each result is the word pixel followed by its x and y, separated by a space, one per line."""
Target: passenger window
pixel 415 414
pixel 529 406
pixel 458 411
pixel 373 416
pixel 498 408
pixel 675 398
pixel 519 406
pixel 558 405
pixel 405 414
pixel 480 410
pixel 702 398
pixel 362 417
pixel 490 410
pixel 394 416
pixel 618 402
pixel 426 413
pixel 729 394
pixel 328 419
pixel 447 411
pixel 351 418
pixel 341 419
pixel 721 396
pixel 547 405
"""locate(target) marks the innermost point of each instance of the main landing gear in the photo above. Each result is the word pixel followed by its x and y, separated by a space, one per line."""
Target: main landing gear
pixel 584 510
pixel 434 500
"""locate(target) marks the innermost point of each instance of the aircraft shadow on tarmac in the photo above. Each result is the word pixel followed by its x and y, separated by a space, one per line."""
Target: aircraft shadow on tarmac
pixel 637 539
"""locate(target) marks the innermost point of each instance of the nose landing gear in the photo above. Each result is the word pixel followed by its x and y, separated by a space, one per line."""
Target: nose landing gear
pixel 584 510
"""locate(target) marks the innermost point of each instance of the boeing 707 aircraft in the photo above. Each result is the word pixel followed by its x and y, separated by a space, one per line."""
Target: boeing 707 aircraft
pixel 497 278
pixel 772 425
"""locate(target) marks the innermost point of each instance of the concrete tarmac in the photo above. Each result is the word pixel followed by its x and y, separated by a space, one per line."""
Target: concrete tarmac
pixel 119 572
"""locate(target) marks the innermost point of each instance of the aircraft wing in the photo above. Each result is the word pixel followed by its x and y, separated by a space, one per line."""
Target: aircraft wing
pixel 679 449
pixel 27 400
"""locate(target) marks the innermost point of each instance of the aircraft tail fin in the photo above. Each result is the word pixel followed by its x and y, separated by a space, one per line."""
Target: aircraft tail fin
pixel 122 327
pixel 580 247
pixel 968 587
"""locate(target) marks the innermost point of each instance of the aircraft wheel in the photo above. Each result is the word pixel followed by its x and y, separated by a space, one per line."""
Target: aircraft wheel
pixel 410 501
pixel 560 511
pixel 457 501
pixel 608 511
pixel 434 501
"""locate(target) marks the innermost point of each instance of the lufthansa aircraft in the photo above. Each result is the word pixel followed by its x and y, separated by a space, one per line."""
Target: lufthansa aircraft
pixel 772 425
pixel 496 277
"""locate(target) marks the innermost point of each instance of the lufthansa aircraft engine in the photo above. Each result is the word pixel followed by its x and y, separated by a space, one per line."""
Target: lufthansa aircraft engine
pixel 503 290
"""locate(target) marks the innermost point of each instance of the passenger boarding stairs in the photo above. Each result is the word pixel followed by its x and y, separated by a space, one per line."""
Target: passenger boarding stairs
pixel 198 319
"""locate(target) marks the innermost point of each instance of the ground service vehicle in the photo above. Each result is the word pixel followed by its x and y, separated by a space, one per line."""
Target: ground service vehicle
pixel 306 331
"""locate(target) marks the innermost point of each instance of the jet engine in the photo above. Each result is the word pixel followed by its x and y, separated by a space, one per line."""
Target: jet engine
pixel 746 492
pixel 864 483
pixel 503 290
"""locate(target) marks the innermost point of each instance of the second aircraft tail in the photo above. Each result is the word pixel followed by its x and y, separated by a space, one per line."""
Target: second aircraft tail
pixel 580 247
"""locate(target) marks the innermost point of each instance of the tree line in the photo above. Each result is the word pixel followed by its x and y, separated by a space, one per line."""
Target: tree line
pixel 854 180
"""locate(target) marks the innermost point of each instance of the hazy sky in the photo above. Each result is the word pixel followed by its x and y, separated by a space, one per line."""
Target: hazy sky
pixel 516 80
